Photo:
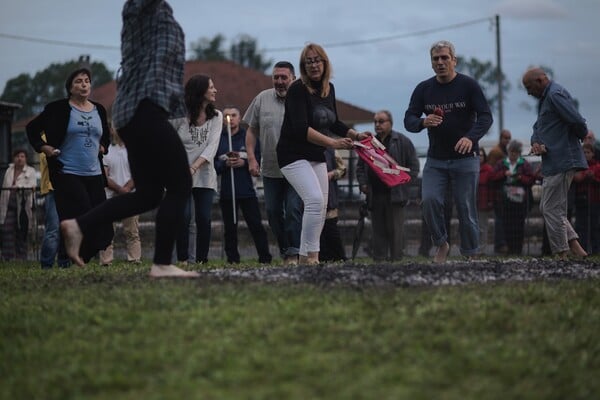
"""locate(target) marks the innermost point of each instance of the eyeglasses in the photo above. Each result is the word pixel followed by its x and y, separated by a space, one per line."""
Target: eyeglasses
pixel 311 61
pixel 380 121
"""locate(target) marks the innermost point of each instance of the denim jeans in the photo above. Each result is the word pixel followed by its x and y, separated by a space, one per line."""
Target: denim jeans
pixel 463 176
pixel 182 242
pixel 51 240
pixel 203 199
pixel 284 212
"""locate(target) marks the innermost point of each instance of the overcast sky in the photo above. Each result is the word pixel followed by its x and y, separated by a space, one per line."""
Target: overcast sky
pixel 368 71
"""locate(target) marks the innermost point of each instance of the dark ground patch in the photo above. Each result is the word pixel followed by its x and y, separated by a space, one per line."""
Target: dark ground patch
pixel 407 274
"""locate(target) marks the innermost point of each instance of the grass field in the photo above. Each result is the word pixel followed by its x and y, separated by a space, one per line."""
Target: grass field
pixel 111 333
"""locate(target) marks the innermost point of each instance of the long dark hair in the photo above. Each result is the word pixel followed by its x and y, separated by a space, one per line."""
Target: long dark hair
pixel 195 89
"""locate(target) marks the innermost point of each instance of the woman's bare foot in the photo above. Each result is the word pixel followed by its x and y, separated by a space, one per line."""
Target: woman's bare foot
pixel 311 259
pixel 576 249
pixel 170 271
pixel 73 238
pixel 442 253
pixel 290 261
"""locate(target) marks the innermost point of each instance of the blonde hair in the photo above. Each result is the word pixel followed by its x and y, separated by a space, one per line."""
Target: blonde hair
pixel 326 69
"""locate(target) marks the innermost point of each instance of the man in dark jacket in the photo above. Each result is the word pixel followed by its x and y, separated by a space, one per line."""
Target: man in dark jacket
pixel 387 204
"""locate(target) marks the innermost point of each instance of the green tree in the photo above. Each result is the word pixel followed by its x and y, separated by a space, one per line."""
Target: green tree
pixel 33 93
pixel 209 49
pixel 243 50
pixel 485 73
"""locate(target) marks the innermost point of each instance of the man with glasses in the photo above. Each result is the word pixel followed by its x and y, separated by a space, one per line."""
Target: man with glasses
pixel 387 204
pixel 455 112
pixel 283 205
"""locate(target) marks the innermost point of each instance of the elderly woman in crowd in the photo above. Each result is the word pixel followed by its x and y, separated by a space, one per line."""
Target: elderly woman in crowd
pixel 16 205
pixel 517 177
pixel 77 136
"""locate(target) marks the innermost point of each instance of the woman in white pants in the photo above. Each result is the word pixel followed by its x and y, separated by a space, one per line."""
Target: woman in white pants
pixel 309 125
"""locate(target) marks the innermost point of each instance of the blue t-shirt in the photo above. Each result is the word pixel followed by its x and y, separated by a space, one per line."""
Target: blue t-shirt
pixel 79 151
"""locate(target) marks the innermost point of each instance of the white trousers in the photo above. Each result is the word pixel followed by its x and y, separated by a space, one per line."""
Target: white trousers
pixel 309 179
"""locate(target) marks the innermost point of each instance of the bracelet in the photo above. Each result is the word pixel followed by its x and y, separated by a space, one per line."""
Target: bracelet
pixel 194 169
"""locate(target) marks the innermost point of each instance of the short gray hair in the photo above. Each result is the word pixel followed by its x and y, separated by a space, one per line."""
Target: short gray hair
pixel 515 145
pixel 443 44
pixel 389 115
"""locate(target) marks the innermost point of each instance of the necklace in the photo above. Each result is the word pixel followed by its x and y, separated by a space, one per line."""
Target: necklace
pixel 84 106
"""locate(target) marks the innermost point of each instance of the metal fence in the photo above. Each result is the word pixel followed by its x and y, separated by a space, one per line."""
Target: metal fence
pixel 584 217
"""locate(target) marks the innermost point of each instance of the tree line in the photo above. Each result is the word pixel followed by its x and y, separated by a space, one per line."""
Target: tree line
pixel 33 92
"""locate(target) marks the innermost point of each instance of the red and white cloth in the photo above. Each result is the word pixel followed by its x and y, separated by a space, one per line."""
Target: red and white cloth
pixel 372 152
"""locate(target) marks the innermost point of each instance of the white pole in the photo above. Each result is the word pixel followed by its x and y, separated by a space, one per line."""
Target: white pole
pixel 231 169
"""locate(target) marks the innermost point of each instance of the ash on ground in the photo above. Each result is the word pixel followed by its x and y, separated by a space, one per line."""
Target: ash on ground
pixel 410 274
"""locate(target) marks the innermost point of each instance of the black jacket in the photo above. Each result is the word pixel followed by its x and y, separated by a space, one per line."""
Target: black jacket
pixel 401 149
pixel 53 121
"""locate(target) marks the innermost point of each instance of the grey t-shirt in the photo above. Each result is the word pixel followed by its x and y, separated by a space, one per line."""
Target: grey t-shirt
pixel 265 116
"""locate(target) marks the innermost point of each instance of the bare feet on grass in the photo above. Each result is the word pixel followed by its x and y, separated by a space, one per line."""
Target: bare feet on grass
pixel 442 253
pixel 311 259
pixel 171 271
pixel 73 238
pixel 290 261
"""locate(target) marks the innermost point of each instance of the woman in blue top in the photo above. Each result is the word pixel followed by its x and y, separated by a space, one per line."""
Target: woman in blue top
pixel 77 135
pixel 309 123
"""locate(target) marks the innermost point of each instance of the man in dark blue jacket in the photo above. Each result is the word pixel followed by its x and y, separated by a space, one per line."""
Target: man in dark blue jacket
pixel 236 160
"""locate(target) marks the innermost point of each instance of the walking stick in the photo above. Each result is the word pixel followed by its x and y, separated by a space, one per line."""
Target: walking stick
pixel 231 170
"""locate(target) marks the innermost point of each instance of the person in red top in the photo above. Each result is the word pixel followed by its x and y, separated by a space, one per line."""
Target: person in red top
pixel 587 199
pixel 517 177
pixel 485 200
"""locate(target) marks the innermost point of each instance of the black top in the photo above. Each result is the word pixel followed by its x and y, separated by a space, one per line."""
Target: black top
pixel 54 121
pixel 304 110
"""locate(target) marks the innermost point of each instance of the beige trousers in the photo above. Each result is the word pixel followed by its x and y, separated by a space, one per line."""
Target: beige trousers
pixel 132 241
pixel 553 205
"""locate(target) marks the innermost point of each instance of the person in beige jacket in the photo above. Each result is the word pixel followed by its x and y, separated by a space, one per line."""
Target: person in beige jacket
pixel 16 207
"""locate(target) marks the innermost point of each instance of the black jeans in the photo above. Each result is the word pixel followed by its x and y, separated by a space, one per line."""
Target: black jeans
pixel 332 248
pixel 251 211
pixel 160 170
pixel 76 195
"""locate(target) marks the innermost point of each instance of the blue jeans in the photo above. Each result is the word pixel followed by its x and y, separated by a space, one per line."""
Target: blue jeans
pixel 51 241
pixel 284 212
pixel 463 176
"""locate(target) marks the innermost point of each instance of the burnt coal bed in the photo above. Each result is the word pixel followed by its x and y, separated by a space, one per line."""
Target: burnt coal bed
pixel 410 275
